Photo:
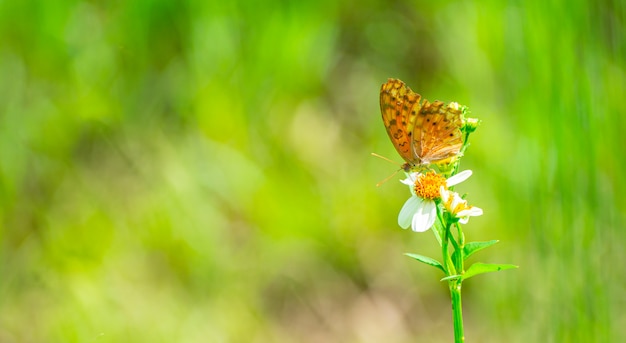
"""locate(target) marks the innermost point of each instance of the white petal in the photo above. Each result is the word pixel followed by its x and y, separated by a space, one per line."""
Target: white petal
pixel 476 211
pixel 409 208
pixel 410 179
pixel 458 178
pixel 444 194
pixel 425 217
pixel 471 212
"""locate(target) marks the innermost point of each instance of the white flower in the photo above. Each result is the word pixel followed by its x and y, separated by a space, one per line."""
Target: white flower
pixel 420 210
pixel 457 207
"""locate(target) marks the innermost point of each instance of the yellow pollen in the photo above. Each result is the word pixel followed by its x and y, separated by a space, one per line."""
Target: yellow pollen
pixel 460 206
pixel 427 185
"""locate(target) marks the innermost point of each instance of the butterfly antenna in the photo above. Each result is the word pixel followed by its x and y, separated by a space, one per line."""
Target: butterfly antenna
pixel 390 161
pixel 384 158
pixel 387 178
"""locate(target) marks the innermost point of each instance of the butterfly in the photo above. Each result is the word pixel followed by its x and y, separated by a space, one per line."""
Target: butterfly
pixel 422 132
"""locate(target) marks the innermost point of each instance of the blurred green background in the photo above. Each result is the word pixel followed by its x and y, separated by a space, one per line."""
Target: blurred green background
pixel 200 171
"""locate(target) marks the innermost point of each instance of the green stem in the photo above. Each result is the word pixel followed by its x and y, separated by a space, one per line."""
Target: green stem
pixel 460 258
pixel 454 268
pixel 459 245
pixel 457 310
pixel 447 261
pixel 460 234
pixel 455 288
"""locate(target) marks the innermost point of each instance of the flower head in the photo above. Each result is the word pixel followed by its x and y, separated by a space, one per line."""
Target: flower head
pixel 457 206
pixel 470 124
pixel 420 210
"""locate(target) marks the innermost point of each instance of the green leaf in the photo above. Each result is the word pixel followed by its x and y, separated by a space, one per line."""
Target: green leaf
pixel 473 247
pixel 450 277
pixel 481 268
pixel 429 261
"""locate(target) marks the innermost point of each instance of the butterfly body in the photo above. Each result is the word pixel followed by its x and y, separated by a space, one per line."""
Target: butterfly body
pixel 422 132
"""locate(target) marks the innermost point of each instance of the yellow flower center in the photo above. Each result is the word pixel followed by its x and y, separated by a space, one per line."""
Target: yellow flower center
pixel 427 185
pixel 461 205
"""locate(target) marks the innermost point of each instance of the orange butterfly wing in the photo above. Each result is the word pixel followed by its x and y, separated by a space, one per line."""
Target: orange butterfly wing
pixel 399 106
pixel 437 134
pixel 422 133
